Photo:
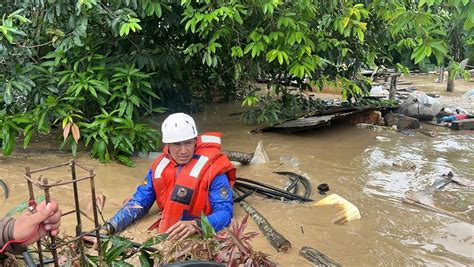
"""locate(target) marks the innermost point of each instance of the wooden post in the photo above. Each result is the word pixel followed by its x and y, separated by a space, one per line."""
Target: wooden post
pixel 393 87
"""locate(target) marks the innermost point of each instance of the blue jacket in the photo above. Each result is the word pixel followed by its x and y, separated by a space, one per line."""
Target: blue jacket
pixel 144 197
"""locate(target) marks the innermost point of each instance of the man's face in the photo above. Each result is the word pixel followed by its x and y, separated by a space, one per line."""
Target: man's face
pixel 182 152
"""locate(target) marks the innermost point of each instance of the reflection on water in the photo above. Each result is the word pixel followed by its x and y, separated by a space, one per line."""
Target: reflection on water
pixel 355 165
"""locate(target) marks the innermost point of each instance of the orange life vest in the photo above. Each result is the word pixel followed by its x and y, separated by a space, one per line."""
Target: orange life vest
pixel 189 190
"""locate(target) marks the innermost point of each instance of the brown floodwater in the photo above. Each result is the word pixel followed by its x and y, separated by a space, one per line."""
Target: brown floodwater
pixel 355 163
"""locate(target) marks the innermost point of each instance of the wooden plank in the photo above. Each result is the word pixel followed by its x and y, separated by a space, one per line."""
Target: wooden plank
pixel 307 123
pixel 320 118
pixel 404 83
pixel 439 124
pixel 463 125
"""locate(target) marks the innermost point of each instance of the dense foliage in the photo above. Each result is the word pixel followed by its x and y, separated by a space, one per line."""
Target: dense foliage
pixel 93 69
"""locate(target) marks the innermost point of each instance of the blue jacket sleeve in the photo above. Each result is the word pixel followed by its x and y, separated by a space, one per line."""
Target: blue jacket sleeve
pixel 220 197
pixel 137 207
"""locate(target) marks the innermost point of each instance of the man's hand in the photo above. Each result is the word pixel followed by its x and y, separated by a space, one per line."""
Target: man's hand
pixel 182 229
pixel 46 218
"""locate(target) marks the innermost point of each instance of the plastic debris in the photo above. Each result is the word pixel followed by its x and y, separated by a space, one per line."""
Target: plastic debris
pixel 289 160
pixel 348 211
pixel 421 106
pixel 469 93
pixel 260 156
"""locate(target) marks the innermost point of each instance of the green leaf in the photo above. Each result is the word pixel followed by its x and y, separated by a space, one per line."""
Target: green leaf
pixel 345 22
pixel 23 206
pixel 135 100
pixel 8 94
pixel 93 92
pixel 439 32
pixel 101 150
pixel 119 241
pixel 121 263
pixel 154 240
pixel 124 29
pixel 271 55
pixel 249 100
pixel 439 47
pixel 126 160
pixel 360 35
pixel 280 58
pixel 122 107
pixel 249 47
pixel 206 227
pixel 158 11
pixel 418 54
pixel 145 259
pixel 129 111
pixel 28 136
pixel 9 37
pixel 8 144
pixel 43 123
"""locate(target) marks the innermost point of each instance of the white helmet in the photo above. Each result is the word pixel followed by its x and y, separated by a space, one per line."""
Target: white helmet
pixel 178 127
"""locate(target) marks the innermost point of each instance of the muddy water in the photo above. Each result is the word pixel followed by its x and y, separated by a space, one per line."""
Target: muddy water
pixel 354 162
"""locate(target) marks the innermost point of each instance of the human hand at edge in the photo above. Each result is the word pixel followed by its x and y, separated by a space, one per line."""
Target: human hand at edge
pixel 182 229
pixel 46 218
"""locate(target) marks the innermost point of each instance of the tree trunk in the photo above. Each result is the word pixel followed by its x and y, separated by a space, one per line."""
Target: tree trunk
pixel 317 258
pixel 450 87
pixel 441 74
pixel 277 240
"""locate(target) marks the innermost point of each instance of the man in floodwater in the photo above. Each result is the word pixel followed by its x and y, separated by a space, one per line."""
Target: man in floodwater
pixel 191 177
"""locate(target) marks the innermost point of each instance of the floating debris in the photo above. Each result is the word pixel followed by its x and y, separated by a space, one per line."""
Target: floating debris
pixel 348 211
pixel 317 258
pixel 405 164
pixel 382 138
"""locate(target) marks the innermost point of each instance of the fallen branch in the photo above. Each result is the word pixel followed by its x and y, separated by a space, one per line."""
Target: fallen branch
pixel 316 257
pixel 241 157
pixel 427 132
pixel 278 241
